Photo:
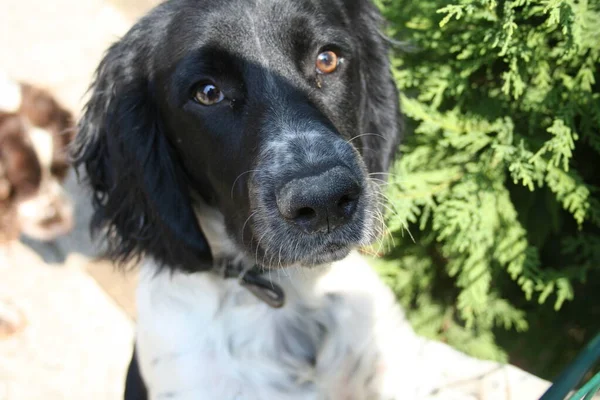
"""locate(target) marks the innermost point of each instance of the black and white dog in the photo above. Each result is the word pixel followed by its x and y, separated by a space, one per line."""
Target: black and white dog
pixel 236 146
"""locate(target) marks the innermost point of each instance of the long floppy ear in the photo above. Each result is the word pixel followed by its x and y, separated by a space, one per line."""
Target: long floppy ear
pixel 380 113
pixel 140 194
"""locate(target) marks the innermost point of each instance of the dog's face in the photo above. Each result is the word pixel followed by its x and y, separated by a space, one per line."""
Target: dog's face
pixel 273 112
pixel 34 133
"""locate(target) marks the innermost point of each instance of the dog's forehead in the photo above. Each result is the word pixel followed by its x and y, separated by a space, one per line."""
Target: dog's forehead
pixel 251 29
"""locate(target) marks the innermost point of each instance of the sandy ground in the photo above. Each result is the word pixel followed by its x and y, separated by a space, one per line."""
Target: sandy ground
pixel 77 313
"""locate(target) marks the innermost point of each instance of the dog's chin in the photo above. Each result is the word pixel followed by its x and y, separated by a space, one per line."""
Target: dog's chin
pixel 330 254
pixel 50 231
pixel 324 255
pixel 288 246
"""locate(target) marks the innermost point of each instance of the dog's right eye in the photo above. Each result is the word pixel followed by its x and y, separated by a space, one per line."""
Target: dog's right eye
pixel 208 94
pixel 327 62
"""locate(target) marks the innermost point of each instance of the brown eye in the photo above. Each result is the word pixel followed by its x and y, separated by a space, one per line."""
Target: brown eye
pixel 327 62
pixel 208 94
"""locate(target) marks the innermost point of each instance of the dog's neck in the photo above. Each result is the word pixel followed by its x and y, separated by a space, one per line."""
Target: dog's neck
pixel 292 280
pixel 212 223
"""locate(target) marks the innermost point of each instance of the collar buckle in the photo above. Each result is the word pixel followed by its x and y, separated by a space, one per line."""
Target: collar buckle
pixel 264 290
pixel 251 279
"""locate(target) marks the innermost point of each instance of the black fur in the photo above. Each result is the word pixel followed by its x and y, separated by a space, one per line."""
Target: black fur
pixel 147 150
pixel 140 193
pixel 134 385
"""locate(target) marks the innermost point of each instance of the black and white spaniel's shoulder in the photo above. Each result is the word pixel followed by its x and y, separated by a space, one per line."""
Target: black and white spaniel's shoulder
pixel 337 337
pixel 236 146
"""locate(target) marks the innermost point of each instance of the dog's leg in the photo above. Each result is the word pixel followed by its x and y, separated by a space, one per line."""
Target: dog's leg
pixel 134 385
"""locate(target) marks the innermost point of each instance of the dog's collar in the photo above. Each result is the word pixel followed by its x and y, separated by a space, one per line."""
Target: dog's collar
pixel 252 279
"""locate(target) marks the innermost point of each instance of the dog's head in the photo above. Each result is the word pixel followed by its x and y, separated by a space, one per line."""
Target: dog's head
pixel 278 114
pixel 34 134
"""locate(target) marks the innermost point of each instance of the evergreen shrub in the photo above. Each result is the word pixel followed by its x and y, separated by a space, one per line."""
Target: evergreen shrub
pixel 494 214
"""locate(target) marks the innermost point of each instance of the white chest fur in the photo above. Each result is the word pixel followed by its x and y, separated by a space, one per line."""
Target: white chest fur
pixel 340 336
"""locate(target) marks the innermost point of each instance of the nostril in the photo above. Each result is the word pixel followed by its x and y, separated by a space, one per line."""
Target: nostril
pixel 306 218
pixel 345 201
pixel 305 213
pixel 347 204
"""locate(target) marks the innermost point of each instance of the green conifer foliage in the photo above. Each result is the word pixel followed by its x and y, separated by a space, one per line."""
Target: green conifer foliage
pixel 495 203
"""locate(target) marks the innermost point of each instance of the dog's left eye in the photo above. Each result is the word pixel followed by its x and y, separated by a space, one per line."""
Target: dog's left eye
pixel 327 62
pixel 208 94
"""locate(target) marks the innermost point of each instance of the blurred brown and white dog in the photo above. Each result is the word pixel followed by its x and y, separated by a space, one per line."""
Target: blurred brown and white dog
pixel 35 131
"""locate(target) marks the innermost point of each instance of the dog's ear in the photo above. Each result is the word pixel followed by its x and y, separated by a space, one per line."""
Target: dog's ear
pixel 381 127
pixel 140 195
pixel 21 172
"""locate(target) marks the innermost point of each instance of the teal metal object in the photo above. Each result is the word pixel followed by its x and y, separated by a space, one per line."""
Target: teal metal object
pixel 589 390
pixel 568 380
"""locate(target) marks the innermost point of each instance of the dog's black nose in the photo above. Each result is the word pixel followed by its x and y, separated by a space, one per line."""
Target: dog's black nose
pixel 320 203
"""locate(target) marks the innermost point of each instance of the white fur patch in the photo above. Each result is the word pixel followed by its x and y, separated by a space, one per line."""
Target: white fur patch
pixel 43 144
pixel 213 227
pixel 200 336
pixel 10 94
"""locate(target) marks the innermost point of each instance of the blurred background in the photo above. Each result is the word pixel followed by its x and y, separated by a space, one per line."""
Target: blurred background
pixel 494 208
pixel 66 318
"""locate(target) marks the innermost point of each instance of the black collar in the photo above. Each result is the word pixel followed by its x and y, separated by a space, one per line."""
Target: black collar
pixel 252 279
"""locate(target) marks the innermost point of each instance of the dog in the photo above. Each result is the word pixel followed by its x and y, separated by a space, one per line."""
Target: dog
pixel 236 149
pixel 35 131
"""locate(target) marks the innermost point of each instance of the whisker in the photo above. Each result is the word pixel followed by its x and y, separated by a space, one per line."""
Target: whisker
pixel 387 231
pixel 405 225
pixel 295 260
pixel 258 247
pixel 382 230
pixel 271 259
pixel 390 209
pixel 247 220
pixel 393 210
pixel 380 182
pixel 383 173
pixel 239 176
pixel 379 230
pixel 296 251
pixel 268 250
pixel 367 134
pixel 279 261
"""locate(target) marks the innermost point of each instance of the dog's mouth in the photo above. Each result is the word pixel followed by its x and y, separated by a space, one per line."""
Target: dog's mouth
pixel 327 257
pixel 305 255
pixel 334 247
pixel 277 243
pixel 47 215
pixel 329 252
pixel 49 229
